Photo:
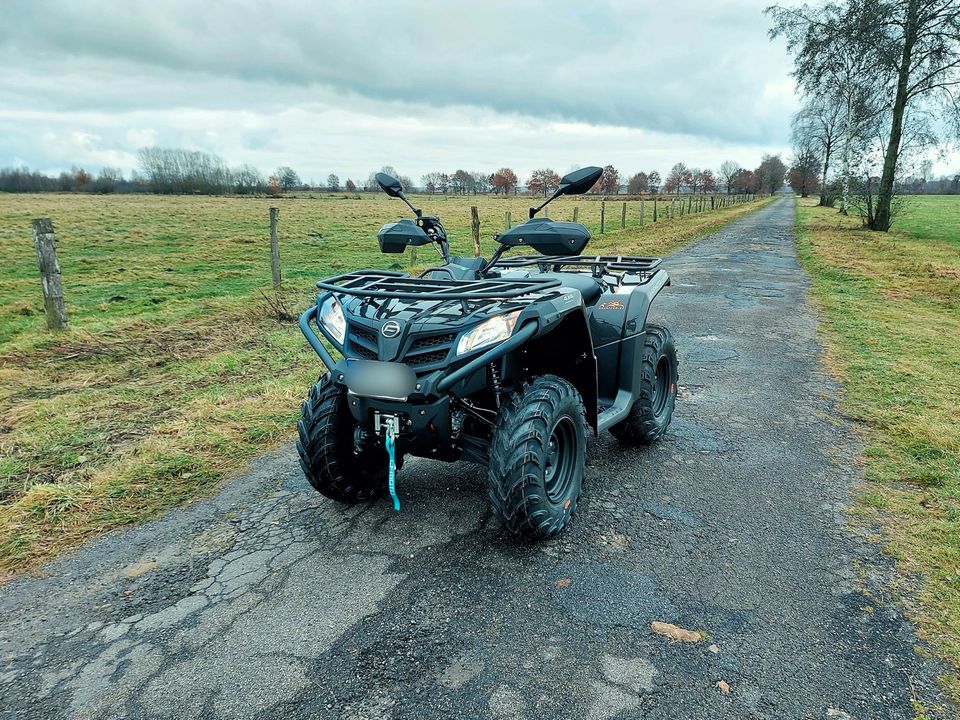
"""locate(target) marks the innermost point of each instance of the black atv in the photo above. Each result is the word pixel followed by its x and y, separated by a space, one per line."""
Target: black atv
pixel 505 362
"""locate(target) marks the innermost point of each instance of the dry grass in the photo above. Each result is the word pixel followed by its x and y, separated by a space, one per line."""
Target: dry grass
pixel 891 305
pixel 176 370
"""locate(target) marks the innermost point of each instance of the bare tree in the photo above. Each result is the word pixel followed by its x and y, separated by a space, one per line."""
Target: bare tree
pixel 609 182
pixel 639 183
pixel 289 179
pixel 543 181
pixel 817 127
pixel 729 168
pixel 833 46
pixel 803 175
pixel 922 49
pixel 678 176
pixel 248 180
pixel 333 182
pixel 653 182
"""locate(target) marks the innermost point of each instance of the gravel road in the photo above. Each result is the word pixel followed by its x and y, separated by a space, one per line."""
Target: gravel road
pixel 267 600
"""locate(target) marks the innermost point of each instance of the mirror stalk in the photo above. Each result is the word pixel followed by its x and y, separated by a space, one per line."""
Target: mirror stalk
pixel 534 211
pixel 416 211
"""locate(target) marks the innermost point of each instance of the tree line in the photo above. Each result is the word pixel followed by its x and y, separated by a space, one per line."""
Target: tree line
pixel 878 80
pixel 178 171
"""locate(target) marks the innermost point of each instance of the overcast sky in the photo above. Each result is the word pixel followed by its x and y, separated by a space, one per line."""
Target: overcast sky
pixel 347 87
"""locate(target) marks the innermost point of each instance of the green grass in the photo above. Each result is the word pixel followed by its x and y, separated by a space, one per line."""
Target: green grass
pixel 174 371
pixel 891 309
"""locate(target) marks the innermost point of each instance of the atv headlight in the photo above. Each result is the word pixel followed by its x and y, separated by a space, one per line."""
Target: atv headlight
pixel 496 329
pixel 331 317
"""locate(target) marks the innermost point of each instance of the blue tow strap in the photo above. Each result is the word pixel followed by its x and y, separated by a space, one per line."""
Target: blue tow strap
pixel 392 477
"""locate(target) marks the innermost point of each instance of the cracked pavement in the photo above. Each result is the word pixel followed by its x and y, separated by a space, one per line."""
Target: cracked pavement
pixel 267 600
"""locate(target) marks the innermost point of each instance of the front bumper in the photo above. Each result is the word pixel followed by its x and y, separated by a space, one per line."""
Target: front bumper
pixel 432 384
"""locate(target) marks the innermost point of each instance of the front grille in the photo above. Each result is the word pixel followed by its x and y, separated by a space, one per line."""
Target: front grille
pixel 432 341
pixel 364 334
pixel 364 352
pixel 429 349
pixel 427 358
pixel 363 343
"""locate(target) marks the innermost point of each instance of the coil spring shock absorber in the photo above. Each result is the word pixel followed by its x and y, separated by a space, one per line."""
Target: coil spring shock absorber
pixel 495 383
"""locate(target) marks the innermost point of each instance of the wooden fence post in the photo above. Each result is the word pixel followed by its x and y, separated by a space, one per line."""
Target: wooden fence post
pixel 672 202
pixel 689 204
pixel 275 246
pixel 507 220
pixel 655 209
pixel 576 212
pixel 623 216
pixel 45 243
pixel 413 255
pixel 641 212
pixel 475 226
pixel 603 214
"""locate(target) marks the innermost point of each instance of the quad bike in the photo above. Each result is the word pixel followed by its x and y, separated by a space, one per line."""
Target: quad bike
pixel 505 362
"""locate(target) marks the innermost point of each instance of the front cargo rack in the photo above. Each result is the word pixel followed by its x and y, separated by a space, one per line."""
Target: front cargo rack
pixel 385 284
pixel 598 264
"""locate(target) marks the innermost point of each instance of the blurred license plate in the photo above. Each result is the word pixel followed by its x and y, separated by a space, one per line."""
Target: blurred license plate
pixel 375 379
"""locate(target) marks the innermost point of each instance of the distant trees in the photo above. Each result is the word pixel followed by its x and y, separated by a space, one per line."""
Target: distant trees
pixel 728 168
pixel 247 180
pixel 351 185
pixel 653 182
pixel 461 182
pixel 678 176
pixel 543 182
pixel 609 182
pixel 638 183
pixel 744 181
pixel 504 181
pixel 704 181
pixel 169 170
pixel 288 177
pixel 769 176
pixel 804 173
pixel 333 182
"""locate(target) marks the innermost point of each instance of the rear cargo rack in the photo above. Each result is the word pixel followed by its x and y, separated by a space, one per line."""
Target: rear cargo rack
pixel 598 264
pixel 385 284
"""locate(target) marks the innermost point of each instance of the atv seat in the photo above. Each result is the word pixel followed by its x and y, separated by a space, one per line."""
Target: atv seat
pixel 590 288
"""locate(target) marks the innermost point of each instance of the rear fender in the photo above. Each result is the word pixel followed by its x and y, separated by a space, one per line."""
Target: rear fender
pixel 618 321
pixel 634 327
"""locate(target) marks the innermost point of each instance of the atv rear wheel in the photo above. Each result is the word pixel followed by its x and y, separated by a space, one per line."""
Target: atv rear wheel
pixel 653 409
pixel 537 458
pixel 326 444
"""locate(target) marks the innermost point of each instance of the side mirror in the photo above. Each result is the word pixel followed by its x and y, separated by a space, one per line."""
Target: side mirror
pixel 577 182
pixel 390 185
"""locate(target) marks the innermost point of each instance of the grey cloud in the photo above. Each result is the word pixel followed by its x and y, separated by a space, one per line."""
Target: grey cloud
pixel 697 68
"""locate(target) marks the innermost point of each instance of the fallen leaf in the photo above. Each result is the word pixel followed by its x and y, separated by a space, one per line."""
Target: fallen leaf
pixel 713 649
pixel 132 571
pixel 724 686
pixel 676 633
pixel 563 582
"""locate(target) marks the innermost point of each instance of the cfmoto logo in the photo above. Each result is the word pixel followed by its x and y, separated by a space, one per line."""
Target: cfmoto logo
pixel 390 329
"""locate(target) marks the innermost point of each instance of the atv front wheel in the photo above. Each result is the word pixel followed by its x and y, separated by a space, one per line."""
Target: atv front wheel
pixel 537 458
pixel 653 409
pixel 326 445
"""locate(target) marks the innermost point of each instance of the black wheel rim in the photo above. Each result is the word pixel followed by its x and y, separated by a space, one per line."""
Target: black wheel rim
pixel 560 461
pixel 661 386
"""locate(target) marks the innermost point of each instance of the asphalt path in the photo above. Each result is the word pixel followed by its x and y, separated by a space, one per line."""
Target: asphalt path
pixel 266 600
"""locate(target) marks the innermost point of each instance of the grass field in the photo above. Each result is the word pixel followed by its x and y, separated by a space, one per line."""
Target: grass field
pixel 891 307
pixel 175 371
